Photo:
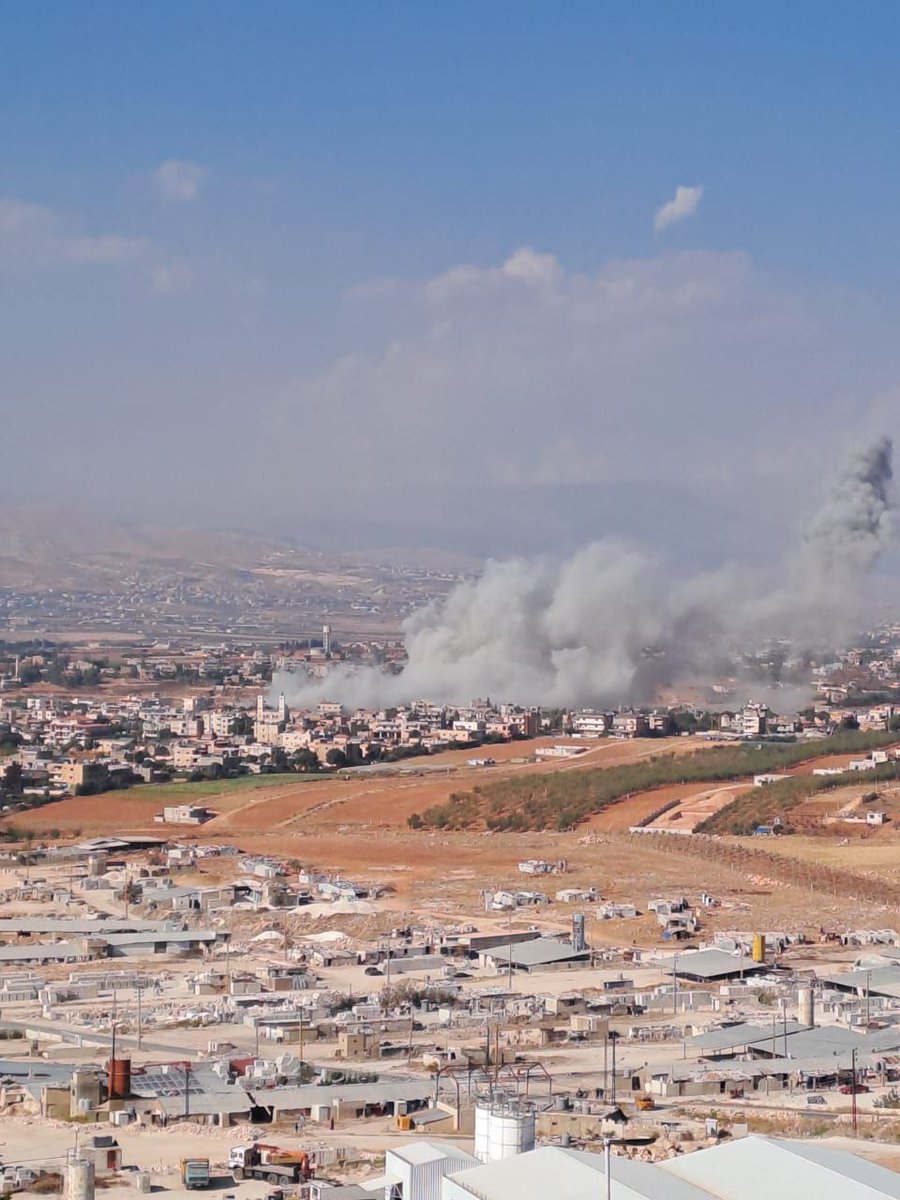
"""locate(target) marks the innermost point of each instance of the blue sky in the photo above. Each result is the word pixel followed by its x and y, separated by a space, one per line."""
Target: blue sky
pixel 339 144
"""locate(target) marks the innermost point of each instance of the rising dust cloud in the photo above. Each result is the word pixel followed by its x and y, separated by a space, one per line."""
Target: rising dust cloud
pixel 611 624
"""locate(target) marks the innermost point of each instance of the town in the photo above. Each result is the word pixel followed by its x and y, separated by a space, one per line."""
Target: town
pixel 295 1007
pixel 85 719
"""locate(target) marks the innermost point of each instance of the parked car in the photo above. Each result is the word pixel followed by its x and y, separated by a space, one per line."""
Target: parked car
pixel 849 1089
pixel 373 971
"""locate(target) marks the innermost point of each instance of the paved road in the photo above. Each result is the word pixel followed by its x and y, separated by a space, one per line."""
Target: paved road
pixel 94 1037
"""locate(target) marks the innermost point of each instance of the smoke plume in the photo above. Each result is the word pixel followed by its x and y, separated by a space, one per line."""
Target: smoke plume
pixel 610 624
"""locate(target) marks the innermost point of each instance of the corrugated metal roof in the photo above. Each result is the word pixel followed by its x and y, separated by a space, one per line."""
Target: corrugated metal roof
pixel 730 1037
pixel 880 981
pixel 58 951
pixel 416 1153
pixel 536 953
pixel 754 1167
pixel 380 1092
pixel 562 1174
pixel 37 925
pixel 712 964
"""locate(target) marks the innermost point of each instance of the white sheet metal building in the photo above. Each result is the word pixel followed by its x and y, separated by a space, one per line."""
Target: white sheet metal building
pixel 418 1171
pixel 753 1168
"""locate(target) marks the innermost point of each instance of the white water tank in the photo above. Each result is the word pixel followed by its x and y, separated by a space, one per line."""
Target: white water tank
pixel 502 1130
pixel 80 1179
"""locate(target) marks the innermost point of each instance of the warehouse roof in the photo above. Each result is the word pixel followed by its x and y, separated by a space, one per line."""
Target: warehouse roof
pixel 40 951
pixel 753 1167
pixel 150 937
pixel 712 964
pixel 427 1152
pixel 880 981
pixel 98 925
pixel 571 1175
pixel 828 1039
pixel 207 1103
pixel 538 952
pixel 383 1091
pixel 733 1037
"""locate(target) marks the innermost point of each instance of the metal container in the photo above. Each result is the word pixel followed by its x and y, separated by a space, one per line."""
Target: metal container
pixel 119 1078
pixel 503 1131
pixel 758 952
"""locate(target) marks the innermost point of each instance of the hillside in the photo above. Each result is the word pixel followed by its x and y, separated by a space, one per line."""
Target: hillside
pixel 562 800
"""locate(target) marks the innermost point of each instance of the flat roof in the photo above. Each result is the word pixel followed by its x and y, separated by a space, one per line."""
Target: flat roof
pixel 751 1167
pixel 380 1092
pixel 829 1039
pixel 30 925
pixel 60 951
pixel 552 1171
pixel 537 952
pixel 712 964
pixel 731 1037
pixel 880 981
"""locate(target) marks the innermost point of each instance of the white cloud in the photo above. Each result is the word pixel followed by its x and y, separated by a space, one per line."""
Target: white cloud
pixel 31 234
pixel 34 237
pixel 683 204
pixel 174 276
pixel 179 180
pixel 648 373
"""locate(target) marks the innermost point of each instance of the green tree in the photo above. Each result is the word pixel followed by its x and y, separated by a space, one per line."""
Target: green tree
pixel 12 778
pixel 306 760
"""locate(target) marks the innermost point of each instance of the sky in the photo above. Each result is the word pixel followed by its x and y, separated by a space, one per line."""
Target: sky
pixel 493 278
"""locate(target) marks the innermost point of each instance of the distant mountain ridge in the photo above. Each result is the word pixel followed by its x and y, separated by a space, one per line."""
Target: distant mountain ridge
pixel 71 549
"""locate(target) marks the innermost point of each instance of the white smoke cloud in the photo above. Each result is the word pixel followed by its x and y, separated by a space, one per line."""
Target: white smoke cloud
pixel 581 632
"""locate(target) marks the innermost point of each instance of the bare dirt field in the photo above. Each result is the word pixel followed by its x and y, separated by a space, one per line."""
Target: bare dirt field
pixel 374 798
pixel 356 825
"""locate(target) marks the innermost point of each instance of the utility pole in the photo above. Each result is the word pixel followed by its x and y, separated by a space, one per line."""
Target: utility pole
pixel 607 1162
pixel 139 1027
pixel 868 993
pixel 854 1116
pixel 675 984
pixel 613 1037
pixel 187 1089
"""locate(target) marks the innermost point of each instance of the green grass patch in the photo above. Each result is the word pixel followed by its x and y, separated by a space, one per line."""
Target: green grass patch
pixel 178 792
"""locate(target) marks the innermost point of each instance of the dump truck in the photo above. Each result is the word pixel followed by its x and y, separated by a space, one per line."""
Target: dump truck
pixel 269 1163
pixel 195 1172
